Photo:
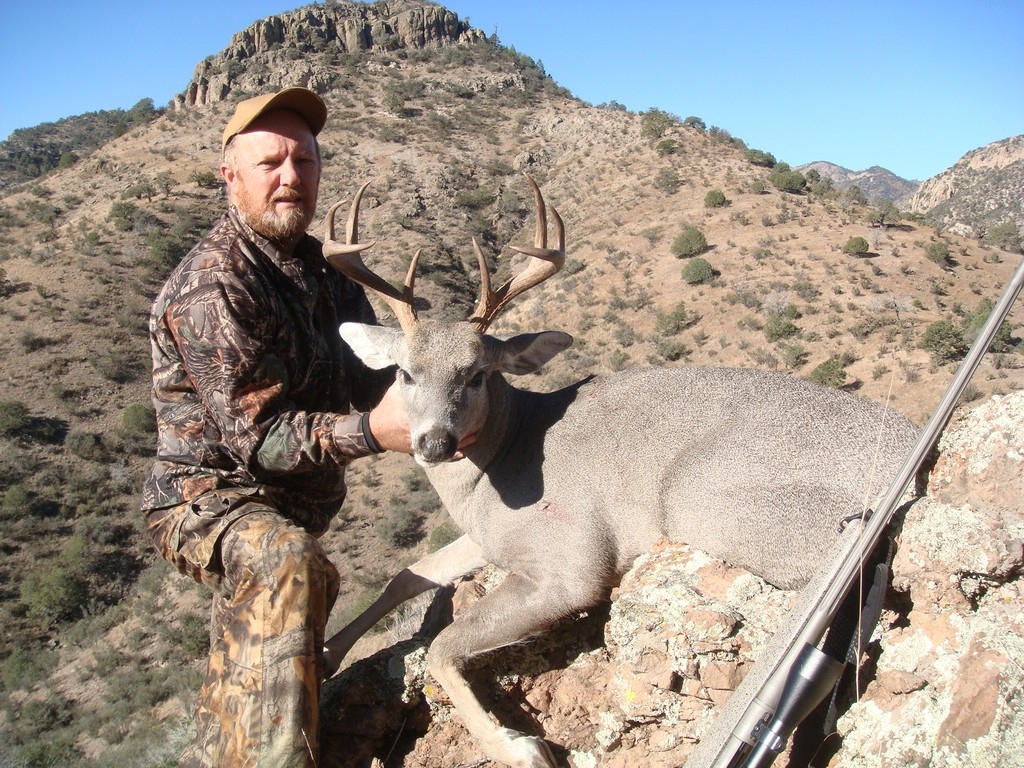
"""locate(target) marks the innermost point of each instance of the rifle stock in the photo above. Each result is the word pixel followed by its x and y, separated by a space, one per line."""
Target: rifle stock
pixel 745 732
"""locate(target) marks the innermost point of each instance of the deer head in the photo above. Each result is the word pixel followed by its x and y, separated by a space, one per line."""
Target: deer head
pixel 443 368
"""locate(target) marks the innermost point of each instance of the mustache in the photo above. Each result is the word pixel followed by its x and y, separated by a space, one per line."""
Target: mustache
pixel 288 196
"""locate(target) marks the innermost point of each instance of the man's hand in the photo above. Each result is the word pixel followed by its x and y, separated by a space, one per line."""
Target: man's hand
pixel 389 423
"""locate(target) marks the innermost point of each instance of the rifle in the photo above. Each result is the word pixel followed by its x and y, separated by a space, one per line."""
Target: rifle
pixel 792 675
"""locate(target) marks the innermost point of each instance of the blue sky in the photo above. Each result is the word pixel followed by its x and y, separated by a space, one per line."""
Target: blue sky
pixel 910 86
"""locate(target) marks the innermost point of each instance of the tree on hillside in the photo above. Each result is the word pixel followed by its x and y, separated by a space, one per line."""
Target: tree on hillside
pixel 1005 236
pixel 885 214
pixel 691 242
pixel 856 246
pixel 785 179
pixel 655 122
pixel 760 157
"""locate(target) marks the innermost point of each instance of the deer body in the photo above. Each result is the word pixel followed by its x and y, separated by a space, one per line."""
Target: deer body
pixel 563 490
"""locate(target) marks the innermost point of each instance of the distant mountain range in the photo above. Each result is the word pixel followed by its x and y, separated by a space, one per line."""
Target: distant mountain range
pixel 876 183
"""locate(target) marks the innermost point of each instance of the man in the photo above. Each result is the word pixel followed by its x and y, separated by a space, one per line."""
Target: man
pixel 253 390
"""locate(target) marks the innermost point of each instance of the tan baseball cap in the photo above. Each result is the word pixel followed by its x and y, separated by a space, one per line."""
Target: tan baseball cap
pixel 300 100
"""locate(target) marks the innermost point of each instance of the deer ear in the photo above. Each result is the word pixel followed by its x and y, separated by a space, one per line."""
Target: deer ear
pixel 527 352
pixel 375 345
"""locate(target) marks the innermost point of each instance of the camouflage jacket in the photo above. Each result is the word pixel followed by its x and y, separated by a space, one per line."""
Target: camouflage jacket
pixel 252 384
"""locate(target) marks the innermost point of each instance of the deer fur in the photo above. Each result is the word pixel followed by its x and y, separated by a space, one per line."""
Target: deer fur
pixel 564 490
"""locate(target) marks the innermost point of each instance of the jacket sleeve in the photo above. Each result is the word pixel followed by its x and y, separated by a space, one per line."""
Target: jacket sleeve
pixel 222 333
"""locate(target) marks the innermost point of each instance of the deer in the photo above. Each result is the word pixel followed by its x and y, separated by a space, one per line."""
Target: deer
pixel 563 490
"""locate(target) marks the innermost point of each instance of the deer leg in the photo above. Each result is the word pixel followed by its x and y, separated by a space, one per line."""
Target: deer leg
pixel 518 608
pixel 457 559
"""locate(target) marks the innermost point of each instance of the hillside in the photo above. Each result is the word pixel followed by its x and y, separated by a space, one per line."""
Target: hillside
pixel 102 645
pixel 983 190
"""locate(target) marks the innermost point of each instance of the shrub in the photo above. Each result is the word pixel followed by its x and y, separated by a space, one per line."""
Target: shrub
pixel 401 528
pixel 13 417
pixel 671 349
pixel 938 252
pixel 667 181
pixel 945 340
pixel 784 179
pixel 1005 236
pixel 691 242
pixel 85 445
pixel 17 501
pixel 667 147
pixel 857 246
pixel 674 322
pixel 139 419
pixel 122 215
pixel 760 157
pixel 654 122
pixel 697 271
pixel 55 594
pixel 831 373
pixel 779 326
pixel 1002 341
pixel 715 198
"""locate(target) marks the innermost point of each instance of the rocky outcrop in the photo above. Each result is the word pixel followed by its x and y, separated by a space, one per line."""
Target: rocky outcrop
pixel 302 47
pixel 639 681
pixel 984 188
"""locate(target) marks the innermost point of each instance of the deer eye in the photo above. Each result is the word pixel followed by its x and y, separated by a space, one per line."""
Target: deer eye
pixel 476 381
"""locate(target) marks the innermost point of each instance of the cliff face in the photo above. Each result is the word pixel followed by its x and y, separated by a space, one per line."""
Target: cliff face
pixel 984 188
pixel 273 48
pixel 638 681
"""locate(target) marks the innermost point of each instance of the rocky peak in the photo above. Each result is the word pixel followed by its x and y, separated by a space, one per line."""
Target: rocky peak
pixel 275 51
pixel 983 188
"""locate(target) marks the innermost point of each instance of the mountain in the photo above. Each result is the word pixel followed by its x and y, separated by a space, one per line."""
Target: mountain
pixel 983 189
pixel 876 182
pixel 102 645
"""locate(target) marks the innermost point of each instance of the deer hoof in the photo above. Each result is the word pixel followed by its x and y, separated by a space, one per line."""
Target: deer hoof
pixel 521 751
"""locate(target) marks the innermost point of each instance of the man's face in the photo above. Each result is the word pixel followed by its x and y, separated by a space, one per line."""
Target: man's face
pixel 273 175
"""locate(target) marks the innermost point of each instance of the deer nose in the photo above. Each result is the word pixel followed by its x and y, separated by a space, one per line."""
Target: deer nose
pixel 436 445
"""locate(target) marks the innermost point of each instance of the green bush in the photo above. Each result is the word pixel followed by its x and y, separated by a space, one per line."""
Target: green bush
pixel 667 181
pixel 671 349
pixel 85 445
pixel 785 179
pixel 779 326
pixel 691 242
pixel 54 594
pixel 945 340
pixel 715 198
pixel 667 147
pixel 831 373
pixel 1002 341
pixel 857 246
pixel 697 271
pixel 674 322
pixel 938 252
pixel 1005 236
pixel 13 417
pixel 760 157
pixel 654 122
pixel 139 419
pixel 122 215
pixel 17 501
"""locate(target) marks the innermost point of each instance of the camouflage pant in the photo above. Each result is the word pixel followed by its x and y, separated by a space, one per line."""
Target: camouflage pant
pixel 273 589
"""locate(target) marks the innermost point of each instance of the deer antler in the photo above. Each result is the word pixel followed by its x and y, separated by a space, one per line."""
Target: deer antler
pixel 544 262
pixel 345 258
